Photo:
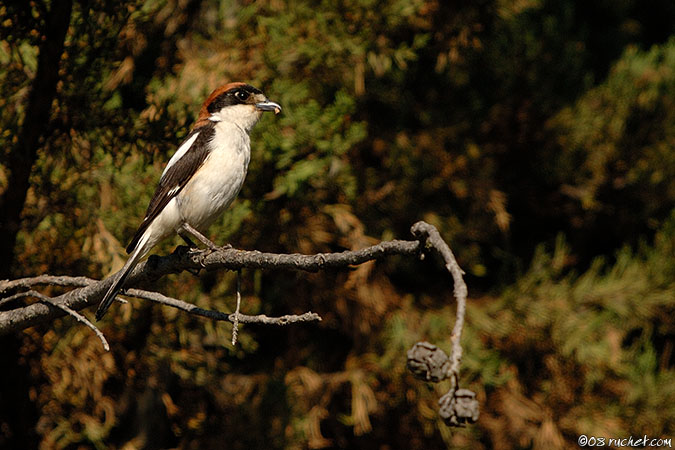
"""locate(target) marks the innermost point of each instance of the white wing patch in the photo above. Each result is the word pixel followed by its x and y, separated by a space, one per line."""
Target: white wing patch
pixel 180 152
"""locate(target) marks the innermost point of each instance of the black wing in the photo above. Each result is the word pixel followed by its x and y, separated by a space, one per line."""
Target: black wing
pixel 175 178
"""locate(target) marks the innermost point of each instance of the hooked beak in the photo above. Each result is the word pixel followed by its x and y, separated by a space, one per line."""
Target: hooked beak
pixel 268 106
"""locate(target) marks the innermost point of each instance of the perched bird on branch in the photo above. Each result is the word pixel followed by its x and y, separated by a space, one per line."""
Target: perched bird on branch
pixel 201 179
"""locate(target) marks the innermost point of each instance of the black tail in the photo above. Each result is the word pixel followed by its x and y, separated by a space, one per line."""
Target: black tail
pixel 118 283
pixel 112 293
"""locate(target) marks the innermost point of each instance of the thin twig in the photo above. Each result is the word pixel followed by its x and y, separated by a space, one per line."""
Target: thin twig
pixel 7 286
pixel 79 317
pixel 15 297
pixel 235 323
pixel 217 315
pixel 279 321
pixel 430 235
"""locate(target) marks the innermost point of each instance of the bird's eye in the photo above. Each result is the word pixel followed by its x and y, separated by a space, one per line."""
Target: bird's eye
pixel 241 95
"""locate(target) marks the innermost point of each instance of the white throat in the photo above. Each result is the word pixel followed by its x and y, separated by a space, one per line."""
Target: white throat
pixel 243 116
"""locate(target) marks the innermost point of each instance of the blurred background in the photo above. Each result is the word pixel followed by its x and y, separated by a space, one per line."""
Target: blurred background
pixel 537 135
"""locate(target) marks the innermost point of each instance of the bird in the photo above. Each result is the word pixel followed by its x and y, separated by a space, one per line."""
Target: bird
pixel 201 179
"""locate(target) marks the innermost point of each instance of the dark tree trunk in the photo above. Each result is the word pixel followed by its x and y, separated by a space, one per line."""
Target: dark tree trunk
pixel 18 413
pixel 21 157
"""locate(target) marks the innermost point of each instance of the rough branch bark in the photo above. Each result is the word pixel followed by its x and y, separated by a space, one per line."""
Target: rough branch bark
pixel 91 291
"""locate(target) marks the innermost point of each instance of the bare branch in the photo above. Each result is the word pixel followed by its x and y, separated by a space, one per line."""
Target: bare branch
pixel 279 321
pixel 7 286
pixel 149 271
pixel 178 304
pixel 426 361
pixel 430 234
pixel 17 296
pixel 217 315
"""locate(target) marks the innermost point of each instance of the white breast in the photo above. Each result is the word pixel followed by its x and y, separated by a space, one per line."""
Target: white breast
pixel 218 181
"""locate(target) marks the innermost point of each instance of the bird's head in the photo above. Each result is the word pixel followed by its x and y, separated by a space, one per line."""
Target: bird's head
pixel 237 103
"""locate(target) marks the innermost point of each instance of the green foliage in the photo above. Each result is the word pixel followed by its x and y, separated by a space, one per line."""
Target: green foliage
pixel 315 151
pixel 616 142
pixel 592 344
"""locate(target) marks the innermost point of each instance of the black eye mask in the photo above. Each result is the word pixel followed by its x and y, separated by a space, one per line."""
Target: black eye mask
pixel 236 96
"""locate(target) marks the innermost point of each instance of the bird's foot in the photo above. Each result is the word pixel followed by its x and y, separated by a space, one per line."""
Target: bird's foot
pixel 186 229
pixel 187 240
